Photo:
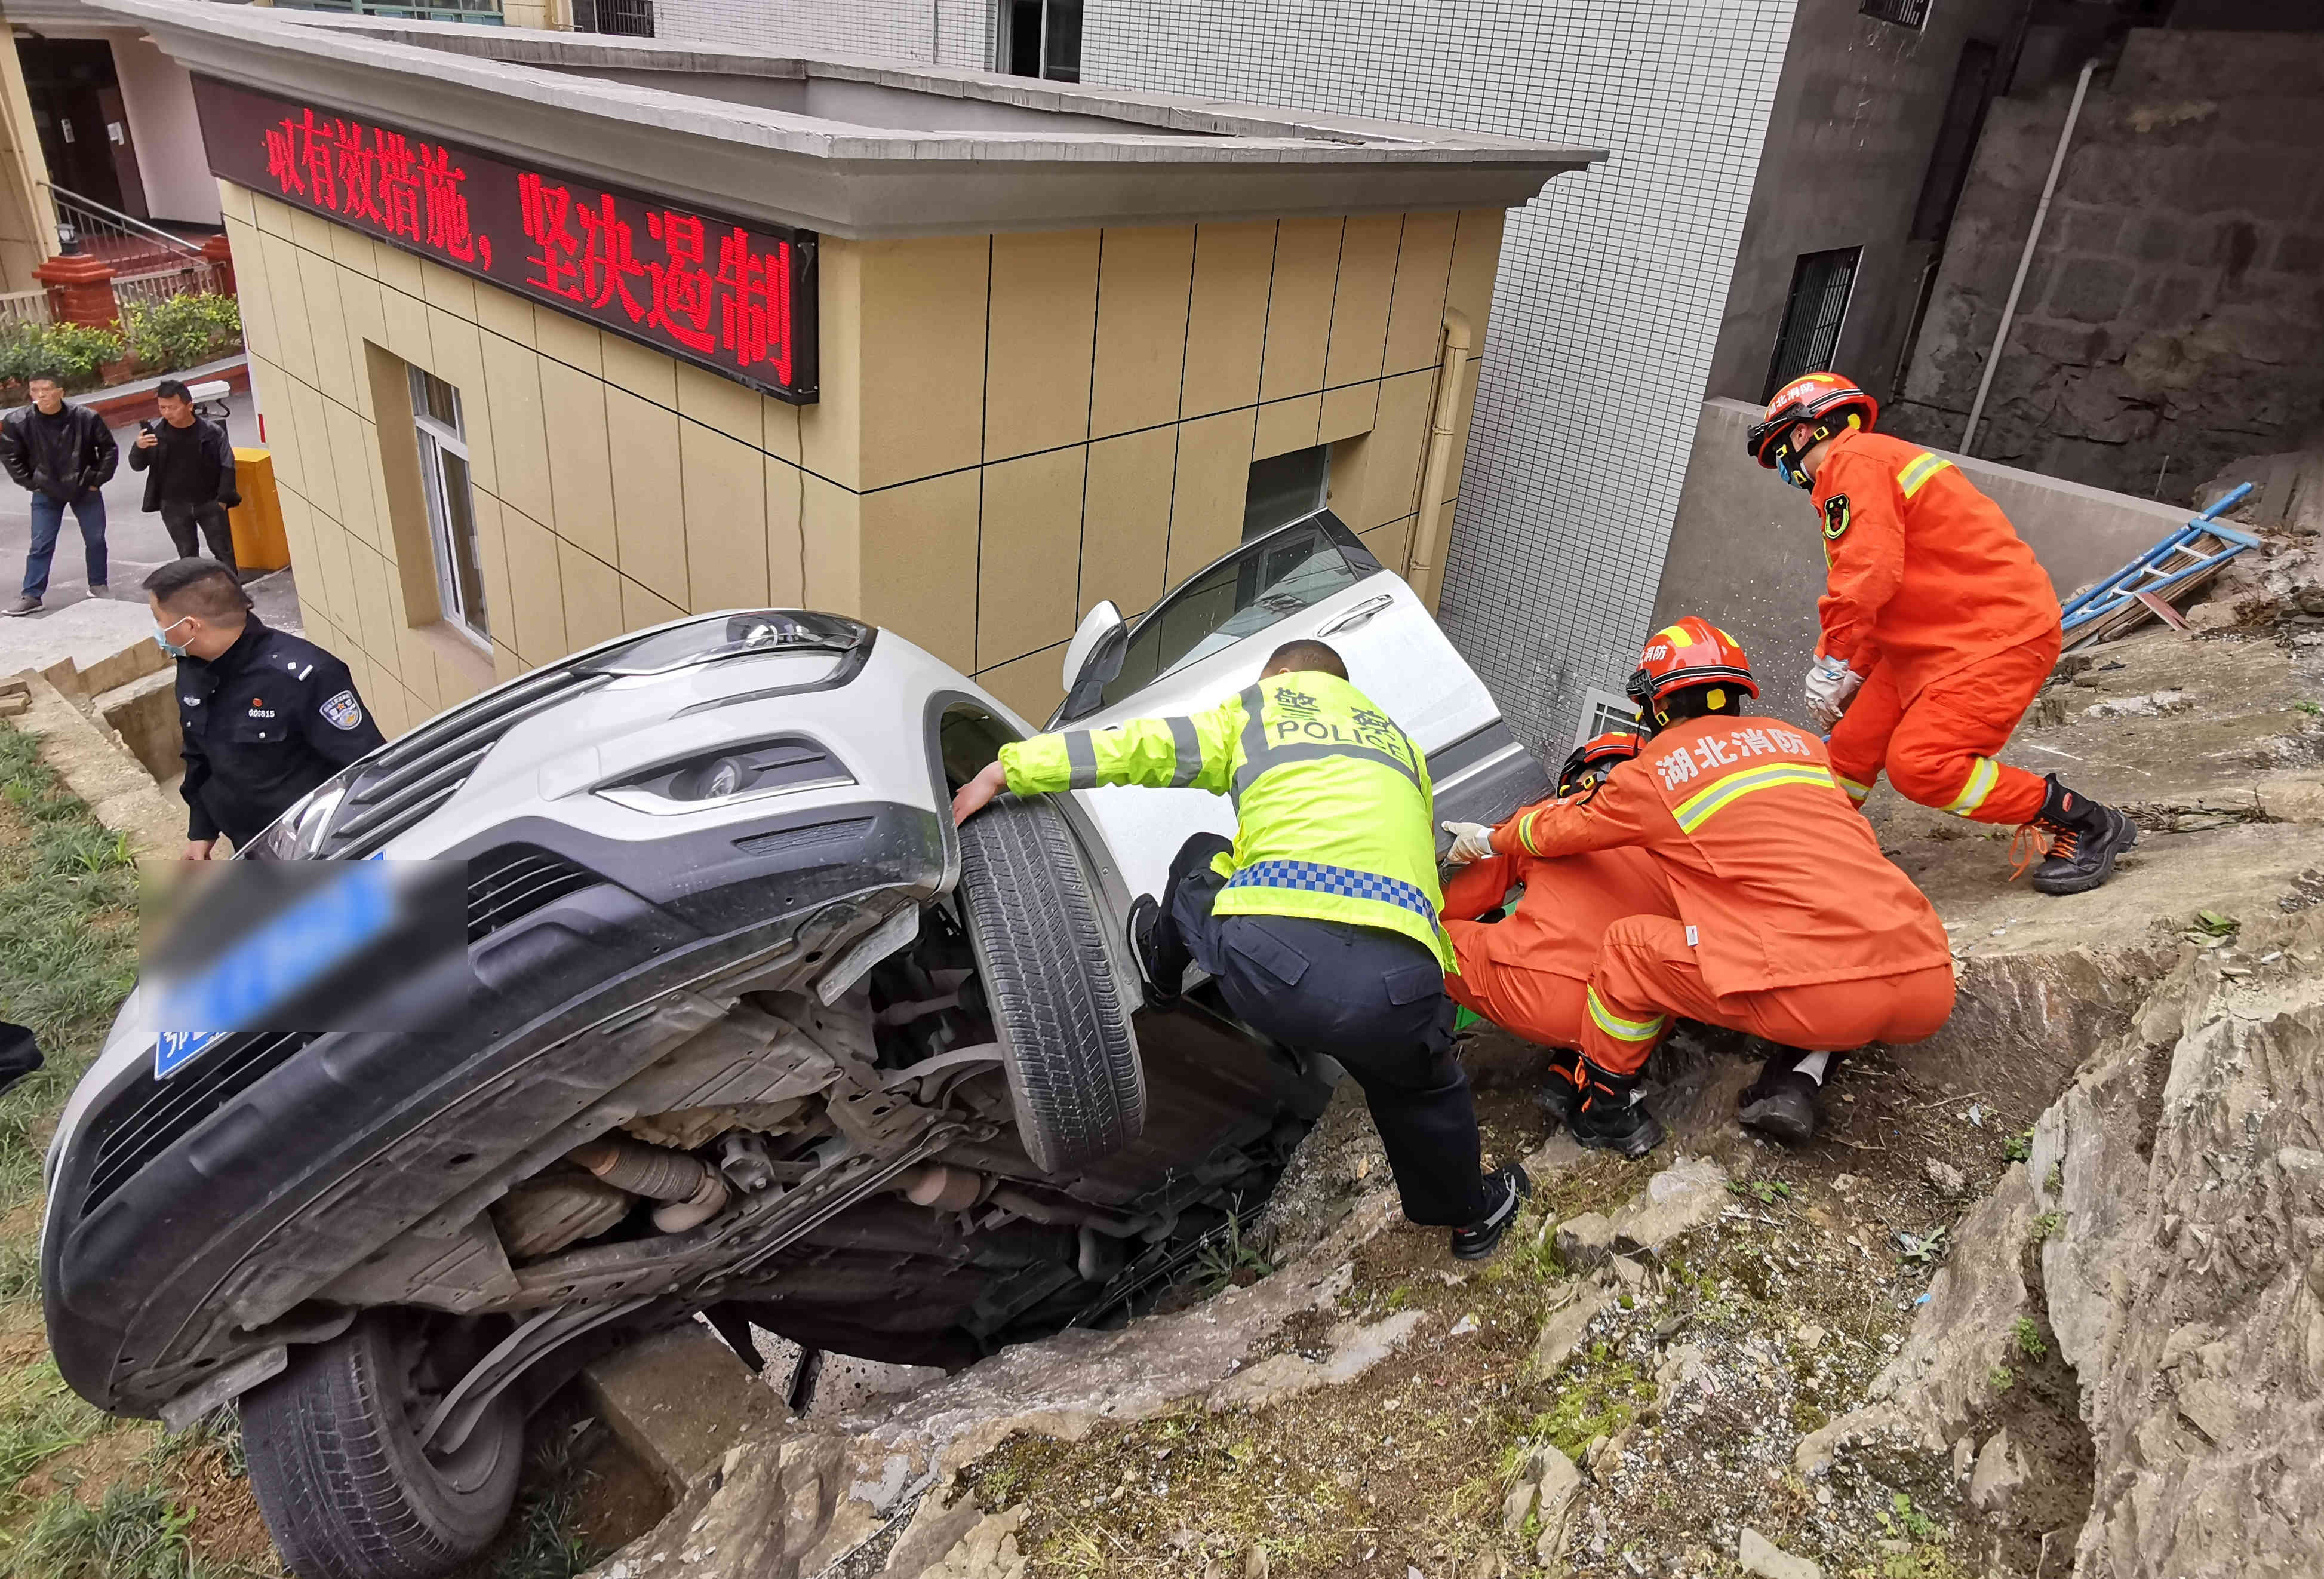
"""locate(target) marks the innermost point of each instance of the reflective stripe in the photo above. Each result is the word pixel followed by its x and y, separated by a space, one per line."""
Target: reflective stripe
pixel 1704 804
pixel 1254 739
pixel 1856 792
pixel 1982 777
pixel 1190 752
pixel 1524 832
pixel 1620 1028
pixel 1919 470
pixel 1315 877
pixel 1080 760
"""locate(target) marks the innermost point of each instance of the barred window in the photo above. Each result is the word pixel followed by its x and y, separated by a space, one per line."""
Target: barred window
pixel 1912 13
pixel 1813 316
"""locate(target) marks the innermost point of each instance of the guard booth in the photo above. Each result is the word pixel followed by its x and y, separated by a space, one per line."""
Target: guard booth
pixel 560 336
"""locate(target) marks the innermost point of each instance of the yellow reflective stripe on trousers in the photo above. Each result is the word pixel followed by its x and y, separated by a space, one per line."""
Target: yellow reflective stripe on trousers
pixel 1620 1028
pixel 1919 470
pixel 1704 804
pixel 1982 777
pixel 1856 792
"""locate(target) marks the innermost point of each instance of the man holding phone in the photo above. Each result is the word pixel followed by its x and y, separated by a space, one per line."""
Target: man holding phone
pixel 188 466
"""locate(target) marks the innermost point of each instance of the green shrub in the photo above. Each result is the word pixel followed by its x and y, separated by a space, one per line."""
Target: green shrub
pixel 73 352
pixel 182 331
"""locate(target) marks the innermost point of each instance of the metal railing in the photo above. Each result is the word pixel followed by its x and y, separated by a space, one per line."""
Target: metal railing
pixel 199 277
pixel 127 245
pixel 480 12
pixel 629 18
pixel 25 309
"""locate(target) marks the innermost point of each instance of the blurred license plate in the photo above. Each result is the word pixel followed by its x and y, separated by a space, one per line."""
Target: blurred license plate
pixel 266 968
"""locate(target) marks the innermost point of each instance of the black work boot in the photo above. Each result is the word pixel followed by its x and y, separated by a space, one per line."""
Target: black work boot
pixel 1562 1091
pixel 2084 839
pixel 1507 1188
pixel 1164 967
pixel 1782 1103
pixel 1609 1114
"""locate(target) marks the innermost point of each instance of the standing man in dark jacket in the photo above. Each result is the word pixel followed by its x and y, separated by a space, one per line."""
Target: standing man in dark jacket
pixel 65 455
pixel 267 716
pixel 188 466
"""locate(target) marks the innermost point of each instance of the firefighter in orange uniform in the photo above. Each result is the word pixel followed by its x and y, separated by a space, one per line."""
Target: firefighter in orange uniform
pixel 1790 924
pixel 1528 973
pixel 1939 627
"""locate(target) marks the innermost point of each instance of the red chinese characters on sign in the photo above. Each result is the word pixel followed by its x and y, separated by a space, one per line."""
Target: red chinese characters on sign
pixel 735 298
pixel 411 190
pixel 735 307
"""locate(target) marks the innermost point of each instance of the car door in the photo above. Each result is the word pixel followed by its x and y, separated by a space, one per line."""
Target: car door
pixel 1210 635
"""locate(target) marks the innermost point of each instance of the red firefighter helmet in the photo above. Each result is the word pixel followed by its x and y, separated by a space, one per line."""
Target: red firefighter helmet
pixel 1587 764
pixel 1682 657
pixel 1830 403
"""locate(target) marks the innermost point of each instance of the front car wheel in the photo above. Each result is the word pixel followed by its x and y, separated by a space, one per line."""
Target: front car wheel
pixel 335 1460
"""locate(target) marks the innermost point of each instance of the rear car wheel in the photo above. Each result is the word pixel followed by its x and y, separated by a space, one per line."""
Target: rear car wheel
pixel 1041 954
pixel 344 1487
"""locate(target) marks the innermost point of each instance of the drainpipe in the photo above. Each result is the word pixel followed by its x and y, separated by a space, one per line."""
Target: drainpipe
pixel 2025 258
pixel 1429 532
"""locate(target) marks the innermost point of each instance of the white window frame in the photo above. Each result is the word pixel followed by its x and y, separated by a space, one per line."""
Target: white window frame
pixel 1595 705
pixel 436 441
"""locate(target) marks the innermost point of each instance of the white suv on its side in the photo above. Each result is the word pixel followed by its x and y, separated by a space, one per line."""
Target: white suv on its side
pixel 743 1026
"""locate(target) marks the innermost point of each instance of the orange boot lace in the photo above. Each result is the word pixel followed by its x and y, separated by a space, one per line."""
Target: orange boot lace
pixel 2036 841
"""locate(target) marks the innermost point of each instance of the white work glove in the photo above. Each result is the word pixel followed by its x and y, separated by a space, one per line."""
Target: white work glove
pixel 1832 686
pixel 1472 841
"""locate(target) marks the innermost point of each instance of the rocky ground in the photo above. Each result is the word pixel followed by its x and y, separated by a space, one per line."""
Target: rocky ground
pixel 2044 1298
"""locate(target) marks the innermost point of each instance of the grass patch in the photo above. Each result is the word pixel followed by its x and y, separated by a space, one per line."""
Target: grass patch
pixel 135 1531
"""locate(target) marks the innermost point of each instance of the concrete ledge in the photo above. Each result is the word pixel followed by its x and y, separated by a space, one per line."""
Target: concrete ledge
pixel 97 765
pixel 678 1401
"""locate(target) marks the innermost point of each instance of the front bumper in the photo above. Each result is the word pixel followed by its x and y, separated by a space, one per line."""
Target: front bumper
pixel 190 1217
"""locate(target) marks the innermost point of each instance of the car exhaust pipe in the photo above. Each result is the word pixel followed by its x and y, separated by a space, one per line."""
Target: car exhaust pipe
pixel 693 1192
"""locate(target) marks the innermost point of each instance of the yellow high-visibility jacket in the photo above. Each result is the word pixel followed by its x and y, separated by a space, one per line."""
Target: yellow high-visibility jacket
pixel 1335 815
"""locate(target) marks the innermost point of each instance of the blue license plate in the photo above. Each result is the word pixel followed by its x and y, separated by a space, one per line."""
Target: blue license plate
pixel 268 967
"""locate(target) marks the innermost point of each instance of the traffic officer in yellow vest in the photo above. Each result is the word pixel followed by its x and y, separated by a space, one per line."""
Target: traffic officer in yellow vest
pixel 1318 921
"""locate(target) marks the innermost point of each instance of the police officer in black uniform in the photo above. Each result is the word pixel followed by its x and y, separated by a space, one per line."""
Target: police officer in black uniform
pixel 267 716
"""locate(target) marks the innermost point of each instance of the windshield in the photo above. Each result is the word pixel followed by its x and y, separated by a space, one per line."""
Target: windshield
pixel 1263 584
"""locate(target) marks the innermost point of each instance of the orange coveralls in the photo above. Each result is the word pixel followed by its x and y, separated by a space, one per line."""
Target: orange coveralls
pixel 1934 599
pixel 1530 974
pixel 1791 924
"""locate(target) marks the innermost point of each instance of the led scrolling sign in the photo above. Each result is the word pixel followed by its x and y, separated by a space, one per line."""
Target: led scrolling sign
pixel 738 299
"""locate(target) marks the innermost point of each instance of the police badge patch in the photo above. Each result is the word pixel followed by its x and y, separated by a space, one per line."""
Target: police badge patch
pixel 1835 517
pixel 343 711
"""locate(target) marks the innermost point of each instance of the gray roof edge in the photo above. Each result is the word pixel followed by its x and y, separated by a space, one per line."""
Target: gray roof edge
pixel 781 166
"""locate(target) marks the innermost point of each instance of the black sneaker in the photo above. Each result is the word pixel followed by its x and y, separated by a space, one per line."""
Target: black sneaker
pixel 1163 983
pixel 2082 839
pixel 1609 1114
pixel 1781 1103
pixel 1508 1188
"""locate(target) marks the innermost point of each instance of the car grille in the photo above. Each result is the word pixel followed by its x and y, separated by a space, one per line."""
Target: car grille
pixel 153 1115
pixel 512 883
pixel 422 771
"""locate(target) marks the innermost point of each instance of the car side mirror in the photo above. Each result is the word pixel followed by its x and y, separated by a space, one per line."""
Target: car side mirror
pixel 1093 657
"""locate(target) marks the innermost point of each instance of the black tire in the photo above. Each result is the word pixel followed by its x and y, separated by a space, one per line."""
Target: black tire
pixel 1074 1073
pixel 344 1489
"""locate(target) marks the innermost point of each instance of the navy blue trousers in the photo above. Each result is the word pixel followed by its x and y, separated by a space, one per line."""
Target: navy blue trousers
pixel 1372 999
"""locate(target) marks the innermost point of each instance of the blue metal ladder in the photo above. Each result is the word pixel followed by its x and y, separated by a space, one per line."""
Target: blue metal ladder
pixel 2181 562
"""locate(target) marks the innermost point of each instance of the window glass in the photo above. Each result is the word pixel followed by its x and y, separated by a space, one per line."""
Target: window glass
pixel 1266 583
pixel 445 483
pixel 1041 38
pixel 1284 489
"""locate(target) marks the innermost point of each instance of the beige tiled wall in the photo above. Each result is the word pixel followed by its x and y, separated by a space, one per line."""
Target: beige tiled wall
pixel 1011 428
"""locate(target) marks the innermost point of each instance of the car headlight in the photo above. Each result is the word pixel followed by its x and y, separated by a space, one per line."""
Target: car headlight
pixel 738 634
pixel 298 833
pixel 731 774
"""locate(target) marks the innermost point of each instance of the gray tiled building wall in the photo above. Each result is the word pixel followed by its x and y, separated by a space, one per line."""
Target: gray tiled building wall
pixel 944 32
pixel 1611 284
